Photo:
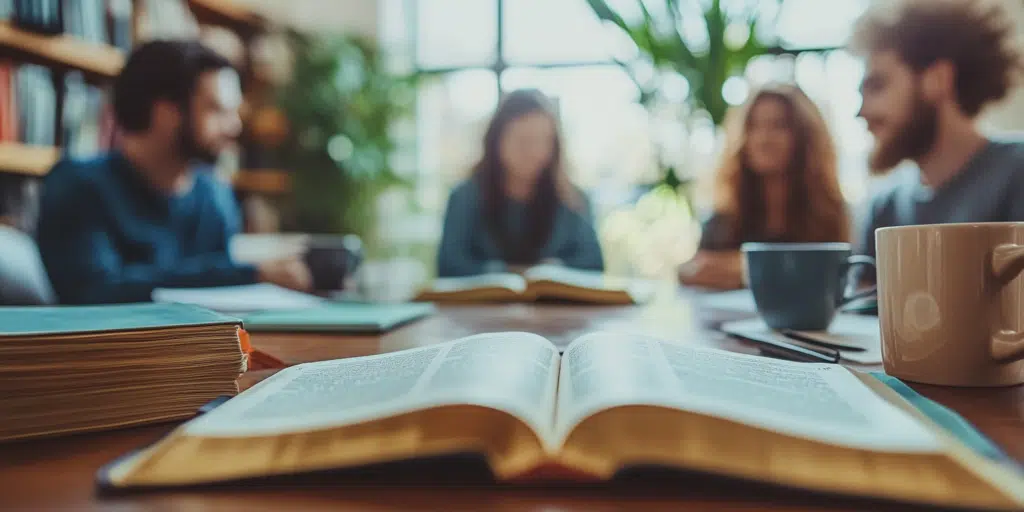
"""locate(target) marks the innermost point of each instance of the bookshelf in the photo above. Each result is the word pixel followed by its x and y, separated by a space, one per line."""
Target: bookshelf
pixel 271 182
pixel 98 62
pixel 227 13
pixel 27 160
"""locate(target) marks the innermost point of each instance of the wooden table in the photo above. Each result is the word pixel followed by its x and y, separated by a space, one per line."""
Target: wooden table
pixel 58 473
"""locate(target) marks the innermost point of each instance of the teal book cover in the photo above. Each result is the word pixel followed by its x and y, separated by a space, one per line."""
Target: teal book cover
pixel 54 320
pixel 352 317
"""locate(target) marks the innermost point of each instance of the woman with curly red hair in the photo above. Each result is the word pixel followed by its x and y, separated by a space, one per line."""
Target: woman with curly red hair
pixel 777 183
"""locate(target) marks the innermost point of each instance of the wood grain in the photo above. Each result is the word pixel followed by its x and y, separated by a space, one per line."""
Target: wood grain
pixel 97 61
pixel 59 473
pixel 18 158
pixel 229 14
pixel 262 181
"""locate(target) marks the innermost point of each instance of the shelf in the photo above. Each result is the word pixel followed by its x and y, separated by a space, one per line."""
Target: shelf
pixel 95 60
pixel 27 160
pixel 262 181
pixel 228 14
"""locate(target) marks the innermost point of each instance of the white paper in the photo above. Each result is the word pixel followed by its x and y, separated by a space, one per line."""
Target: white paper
pixel 738 301
pixel 816 401
pixel 240 299
pixel 857 331
pixel 511 372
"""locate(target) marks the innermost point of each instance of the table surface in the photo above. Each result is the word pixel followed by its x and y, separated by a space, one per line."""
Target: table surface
pixel 59 473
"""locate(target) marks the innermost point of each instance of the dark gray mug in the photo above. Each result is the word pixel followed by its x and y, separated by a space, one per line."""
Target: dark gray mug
pixel 800 286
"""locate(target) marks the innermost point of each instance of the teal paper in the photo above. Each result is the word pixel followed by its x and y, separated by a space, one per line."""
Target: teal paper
pixel 53 320
pixel 338 318
pixel 948 419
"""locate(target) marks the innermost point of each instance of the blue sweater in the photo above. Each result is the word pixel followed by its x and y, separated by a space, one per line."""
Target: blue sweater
pixel 467 247
pixel 106 236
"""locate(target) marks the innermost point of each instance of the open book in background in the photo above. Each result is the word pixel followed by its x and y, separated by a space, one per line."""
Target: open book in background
pixel 543 282
pixel 608 404
pixel 72 369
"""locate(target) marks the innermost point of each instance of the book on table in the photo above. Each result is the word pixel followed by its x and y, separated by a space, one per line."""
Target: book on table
pixel 613 401
pixel 541 282
pixel 71 369
pixel 265 307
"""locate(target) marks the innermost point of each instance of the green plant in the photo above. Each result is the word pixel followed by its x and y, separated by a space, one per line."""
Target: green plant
pixel 728 43
pixel 341 104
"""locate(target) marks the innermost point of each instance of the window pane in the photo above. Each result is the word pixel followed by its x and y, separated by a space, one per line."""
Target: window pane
pixel 453 111
pixel 455 33
pixel 818 23
pixel 553 31
pixel 607 137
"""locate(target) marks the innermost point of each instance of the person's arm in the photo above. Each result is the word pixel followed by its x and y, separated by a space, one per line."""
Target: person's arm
pixel 718 263
pixel 86 268
pixel 455 256
pixel 585 250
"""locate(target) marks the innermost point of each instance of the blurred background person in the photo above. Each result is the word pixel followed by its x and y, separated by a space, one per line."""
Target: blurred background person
pixel 148 214
pixel 932 67
pixel 519 208
pixel 776 183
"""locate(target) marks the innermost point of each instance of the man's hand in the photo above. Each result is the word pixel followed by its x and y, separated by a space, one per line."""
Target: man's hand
pixel 289 272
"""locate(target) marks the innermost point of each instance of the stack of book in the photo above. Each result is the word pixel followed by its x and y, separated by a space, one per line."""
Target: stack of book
pixel 76 369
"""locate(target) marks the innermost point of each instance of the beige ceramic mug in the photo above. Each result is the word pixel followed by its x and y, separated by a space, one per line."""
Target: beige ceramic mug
pixel 951 303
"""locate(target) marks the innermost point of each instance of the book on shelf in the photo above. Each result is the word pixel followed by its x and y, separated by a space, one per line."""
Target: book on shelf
pixel 542 282
pixel 43 16
pixel 610 403
pixel 85 132
pixel 73 369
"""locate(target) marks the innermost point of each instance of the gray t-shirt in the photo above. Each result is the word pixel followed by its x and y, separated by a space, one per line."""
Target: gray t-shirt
pixel 989 189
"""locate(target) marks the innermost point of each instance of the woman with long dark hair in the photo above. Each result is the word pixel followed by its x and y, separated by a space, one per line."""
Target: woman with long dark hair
pixel 777 183
pixel 519 208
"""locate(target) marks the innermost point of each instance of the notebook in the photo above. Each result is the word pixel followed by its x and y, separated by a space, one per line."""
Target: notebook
pixel 351 317
pixel 609 403
pixel 240 299
pixel 72 369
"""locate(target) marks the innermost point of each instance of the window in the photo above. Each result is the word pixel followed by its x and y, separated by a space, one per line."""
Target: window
pixel 482 47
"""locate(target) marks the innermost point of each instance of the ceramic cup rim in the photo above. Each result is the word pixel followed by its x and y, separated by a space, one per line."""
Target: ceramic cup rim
pixel 796 247
pixel 957 226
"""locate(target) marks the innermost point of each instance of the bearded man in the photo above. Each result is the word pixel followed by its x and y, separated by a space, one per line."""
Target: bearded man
pixel 150 214
pixel 932 66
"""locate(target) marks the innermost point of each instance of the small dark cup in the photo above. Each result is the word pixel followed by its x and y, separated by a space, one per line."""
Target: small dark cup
pixel 801 286
pixel 332 260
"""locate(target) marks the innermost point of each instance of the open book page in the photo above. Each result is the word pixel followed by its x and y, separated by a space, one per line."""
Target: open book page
pixel 512 372
pixel 817 401
pixel 512 282
pixel 575 277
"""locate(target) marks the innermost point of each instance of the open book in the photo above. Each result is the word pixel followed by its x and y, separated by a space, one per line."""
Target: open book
pixel 609 403
pixel 540 282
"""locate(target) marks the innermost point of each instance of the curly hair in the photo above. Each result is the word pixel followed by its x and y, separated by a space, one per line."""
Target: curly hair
pixel 817 211
pixel 977 36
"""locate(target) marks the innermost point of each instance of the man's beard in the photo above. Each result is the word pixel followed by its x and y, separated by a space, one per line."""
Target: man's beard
pixel 190 148
pixel 915 138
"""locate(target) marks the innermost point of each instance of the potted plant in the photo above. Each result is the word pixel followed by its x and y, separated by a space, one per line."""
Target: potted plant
pixel 340 105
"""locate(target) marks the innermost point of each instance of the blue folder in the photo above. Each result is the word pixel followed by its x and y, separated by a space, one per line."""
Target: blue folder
pixel 342 318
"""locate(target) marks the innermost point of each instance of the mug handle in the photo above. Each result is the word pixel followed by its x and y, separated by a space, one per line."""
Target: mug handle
pixel 1007 264
pixel 852 262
